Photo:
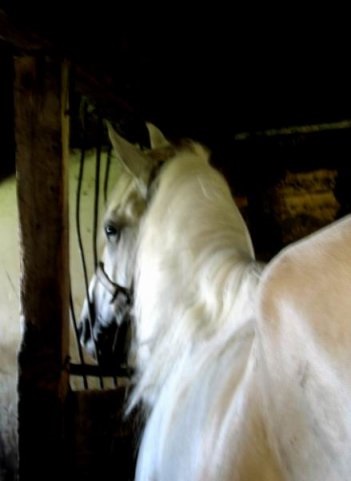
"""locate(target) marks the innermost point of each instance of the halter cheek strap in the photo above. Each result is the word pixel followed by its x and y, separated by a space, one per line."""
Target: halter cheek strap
pixel 112 287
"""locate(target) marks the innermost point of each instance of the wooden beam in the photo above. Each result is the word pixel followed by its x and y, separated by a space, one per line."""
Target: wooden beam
pixel 41 122
pixel 7 147
pixel 92 80
pixel 25 39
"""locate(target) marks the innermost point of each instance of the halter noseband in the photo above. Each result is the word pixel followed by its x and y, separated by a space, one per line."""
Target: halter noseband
pixel 112 287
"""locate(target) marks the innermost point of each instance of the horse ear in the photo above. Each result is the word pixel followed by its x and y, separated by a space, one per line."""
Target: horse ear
pixel 157 139
pixel 132 159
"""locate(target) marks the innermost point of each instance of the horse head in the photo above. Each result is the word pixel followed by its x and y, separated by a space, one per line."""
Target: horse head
pixel 108 311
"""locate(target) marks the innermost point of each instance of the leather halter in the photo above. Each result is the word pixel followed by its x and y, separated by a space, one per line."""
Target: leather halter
pixel 112 287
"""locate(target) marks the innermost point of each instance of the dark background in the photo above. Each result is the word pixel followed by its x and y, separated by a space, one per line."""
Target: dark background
pixel 208 73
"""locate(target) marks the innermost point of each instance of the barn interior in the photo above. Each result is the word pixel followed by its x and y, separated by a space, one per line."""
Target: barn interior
pixel 267 96
pixel 268 93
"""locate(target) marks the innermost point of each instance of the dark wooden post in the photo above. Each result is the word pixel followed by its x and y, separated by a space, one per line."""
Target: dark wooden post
pixel 41 136
pixel 6 112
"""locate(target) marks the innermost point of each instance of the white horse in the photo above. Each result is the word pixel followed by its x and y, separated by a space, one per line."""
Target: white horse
pixel 244 370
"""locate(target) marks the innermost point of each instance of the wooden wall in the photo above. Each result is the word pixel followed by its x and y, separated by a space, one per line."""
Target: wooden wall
pixel 7 145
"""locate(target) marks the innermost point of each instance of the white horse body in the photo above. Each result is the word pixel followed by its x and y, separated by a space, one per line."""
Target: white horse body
pixel 242 374
pixel 304 314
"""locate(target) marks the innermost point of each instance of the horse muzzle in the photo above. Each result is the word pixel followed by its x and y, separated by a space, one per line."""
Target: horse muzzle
pixel 105 326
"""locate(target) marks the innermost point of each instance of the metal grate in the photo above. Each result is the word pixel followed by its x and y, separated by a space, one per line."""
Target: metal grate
pixel 90 118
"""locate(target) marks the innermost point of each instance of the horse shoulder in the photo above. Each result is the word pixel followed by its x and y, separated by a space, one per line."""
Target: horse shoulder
pixel 311 280
pixel 304 323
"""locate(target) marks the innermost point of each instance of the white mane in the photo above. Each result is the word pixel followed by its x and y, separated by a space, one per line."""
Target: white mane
pixel 196 274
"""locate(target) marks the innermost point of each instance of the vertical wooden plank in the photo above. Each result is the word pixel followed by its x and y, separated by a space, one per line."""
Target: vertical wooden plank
pixel 6 112
pixel 41 161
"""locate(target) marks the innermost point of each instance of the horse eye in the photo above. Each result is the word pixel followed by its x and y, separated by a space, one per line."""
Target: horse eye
pixel 111 230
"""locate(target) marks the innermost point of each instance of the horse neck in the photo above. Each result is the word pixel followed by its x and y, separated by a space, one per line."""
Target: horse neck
pixel 196 272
